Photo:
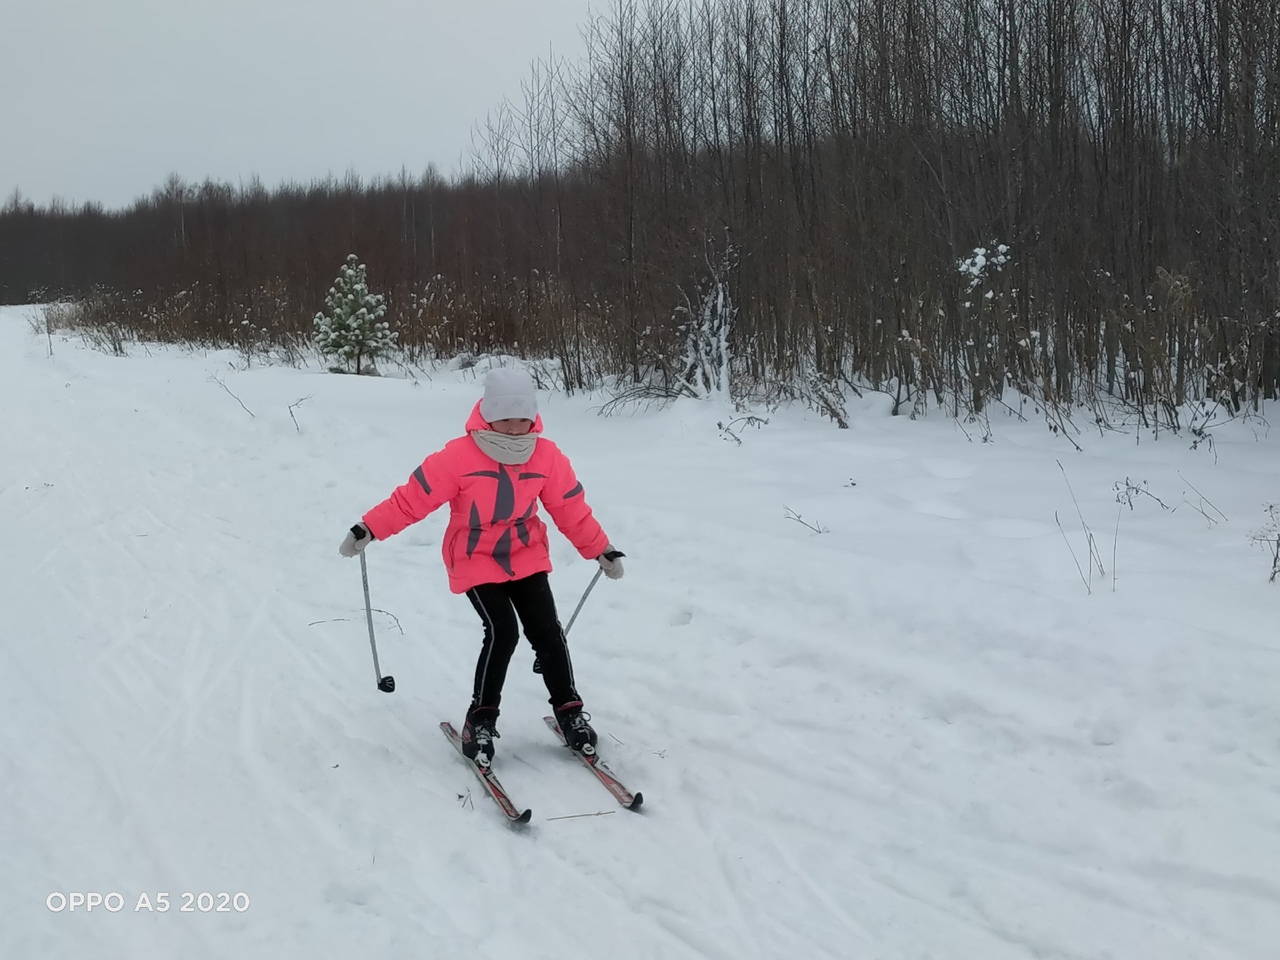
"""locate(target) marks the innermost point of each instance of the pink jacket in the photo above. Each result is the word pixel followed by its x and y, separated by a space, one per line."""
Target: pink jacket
pixel 494 532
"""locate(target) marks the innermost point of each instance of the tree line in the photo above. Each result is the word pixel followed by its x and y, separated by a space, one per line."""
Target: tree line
pixel 943 199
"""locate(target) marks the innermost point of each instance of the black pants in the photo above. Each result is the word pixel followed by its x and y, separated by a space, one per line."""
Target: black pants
pixel 499 606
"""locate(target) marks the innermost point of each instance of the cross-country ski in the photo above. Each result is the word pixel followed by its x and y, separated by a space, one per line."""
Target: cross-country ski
pixel 592 760
pixel 492 785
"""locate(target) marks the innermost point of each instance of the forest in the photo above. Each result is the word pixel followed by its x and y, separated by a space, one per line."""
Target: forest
pixel 962 203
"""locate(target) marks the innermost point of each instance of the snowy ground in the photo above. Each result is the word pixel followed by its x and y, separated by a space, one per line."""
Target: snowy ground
pixel 914 735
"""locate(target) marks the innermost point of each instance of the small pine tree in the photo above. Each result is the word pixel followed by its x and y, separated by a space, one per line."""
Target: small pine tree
pixel 352 328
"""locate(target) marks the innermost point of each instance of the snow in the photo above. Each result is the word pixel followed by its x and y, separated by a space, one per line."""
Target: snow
pixel 916 735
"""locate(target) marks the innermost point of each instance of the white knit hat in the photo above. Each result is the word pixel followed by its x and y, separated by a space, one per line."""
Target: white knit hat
pixel 509 394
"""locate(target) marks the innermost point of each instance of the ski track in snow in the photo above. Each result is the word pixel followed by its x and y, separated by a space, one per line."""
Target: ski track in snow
pixel 912 736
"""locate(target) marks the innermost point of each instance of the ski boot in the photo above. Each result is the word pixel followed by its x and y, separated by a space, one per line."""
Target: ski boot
pixel 576 728
pixel 478 734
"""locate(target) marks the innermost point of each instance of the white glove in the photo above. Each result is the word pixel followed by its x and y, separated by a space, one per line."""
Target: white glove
pixel 611 562
pixel 357 538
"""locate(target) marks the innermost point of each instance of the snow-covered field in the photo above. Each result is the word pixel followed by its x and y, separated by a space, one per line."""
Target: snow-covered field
pixel 912 735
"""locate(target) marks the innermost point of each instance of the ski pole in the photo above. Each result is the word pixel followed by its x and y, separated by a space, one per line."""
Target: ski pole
pixel 611 555
pixel 386 684
pixel 578 608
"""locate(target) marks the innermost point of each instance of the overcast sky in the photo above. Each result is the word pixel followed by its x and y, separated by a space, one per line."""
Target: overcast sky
pixel 103 99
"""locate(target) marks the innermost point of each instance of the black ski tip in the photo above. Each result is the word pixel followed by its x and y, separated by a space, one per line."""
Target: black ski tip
pixel 387 684
pixel 637 800
pixel 524 817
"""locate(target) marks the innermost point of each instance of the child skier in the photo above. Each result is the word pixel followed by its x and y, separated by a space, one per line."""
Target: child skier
pixel 495 545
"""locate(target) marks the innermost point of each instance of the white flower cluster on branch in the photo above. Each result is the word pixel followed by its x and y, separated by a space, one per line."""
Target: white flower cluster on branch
pixel 983 263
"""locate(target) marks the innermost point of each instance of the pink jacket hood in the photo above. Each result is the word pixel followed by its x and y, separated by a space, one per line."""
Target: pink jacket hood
pixel 477 422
